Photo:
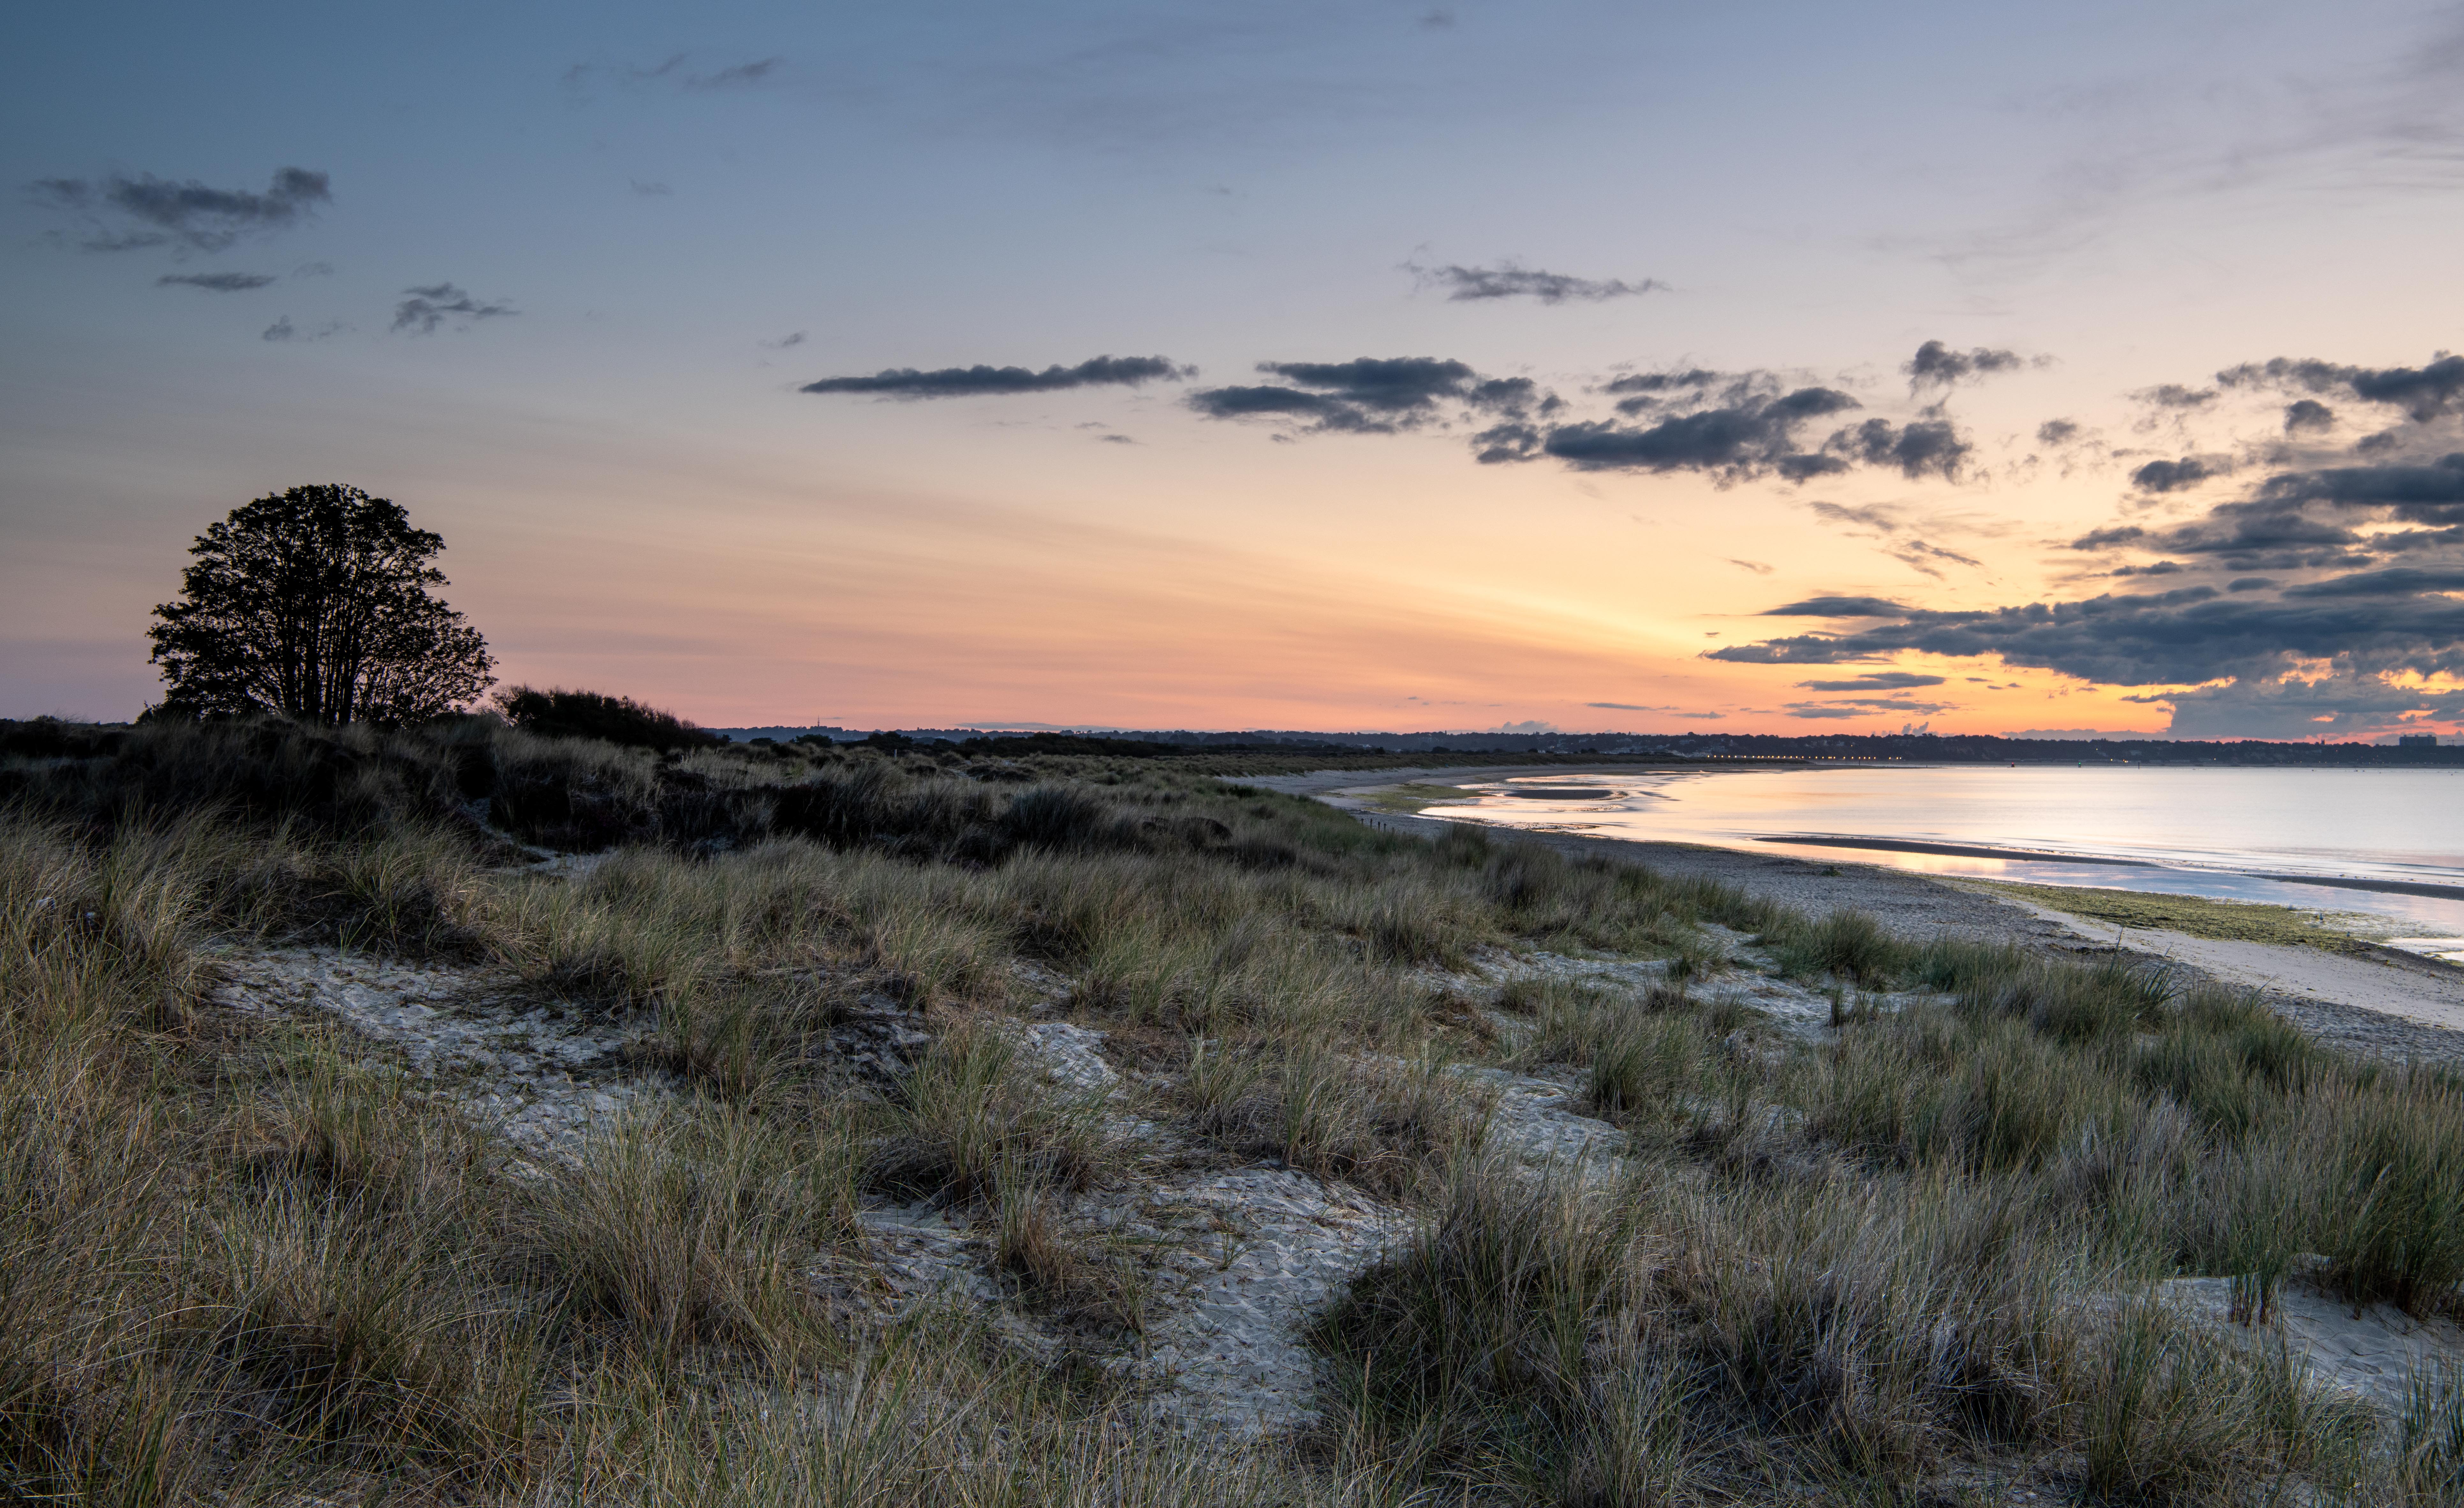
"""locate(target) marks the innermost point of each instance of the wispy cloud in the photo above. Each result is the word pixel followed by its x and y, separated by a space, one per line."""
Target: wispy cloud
pixel 282 329
pixel 426 310
pixel 1507 281
pixel 125 212
pixel 677 71
pixel 1875 680
pixel 216 282
pixel 736 75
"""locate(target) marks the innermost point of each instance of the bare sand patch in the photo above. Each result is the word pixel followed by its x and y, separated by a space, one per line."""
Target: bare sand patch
pixel 2428 993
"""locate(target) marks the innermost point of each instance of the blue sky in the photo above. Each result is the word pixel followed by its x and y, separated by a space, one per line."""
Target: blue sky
pixel 642 231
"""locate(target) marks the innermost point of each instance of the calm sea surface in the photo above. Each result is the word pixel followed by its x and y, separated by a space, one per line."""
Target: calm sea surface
pixel 2248 835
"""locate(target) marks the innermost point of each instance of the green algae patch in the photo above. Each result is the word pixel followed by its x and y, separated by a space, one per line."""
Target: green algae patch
pixel 2197 915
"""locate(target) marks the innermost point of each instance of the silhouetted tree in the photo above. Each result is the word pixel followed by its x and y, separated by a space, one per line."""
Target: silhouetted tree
pixel 316 604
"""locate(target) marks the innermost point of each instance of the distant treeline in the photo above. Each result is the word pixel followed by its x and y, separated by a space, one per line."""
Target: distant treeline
pixel 1925 748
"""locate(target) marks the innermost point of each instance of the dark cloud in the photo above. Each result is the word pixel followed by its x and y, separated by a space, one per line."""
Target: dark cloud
pixel 2423 392
pixel 650 188
pixel 1926 448
pixel 1469 284
pixel 1395 384
pixel 2431 493
pixel 1758 567
pixel 126 213
pixel 1515 396
pixel 1738 425
pixel 2336 705
pixel 1937 365
pixel 1508 441
pixel 785 341
pixel 2251 583
pixel 1284 403
pixel 976 381
pixel 1381 395
pixel 1732 426
pixel 2190 635
pixel 1838 607
pixel 2173 476
pixel 423 311
pixel 2058 431
pixel 2174 394
pixel 2308 416
pixel 2316 519
pixel 216 282
pixel 2397 581
pixel 1753 434
pixel 1116 439
pixel 1875 680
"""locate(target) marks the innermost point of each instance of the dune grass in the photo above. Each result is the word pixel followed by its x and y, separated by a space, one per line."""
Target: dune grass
pixel 241 1259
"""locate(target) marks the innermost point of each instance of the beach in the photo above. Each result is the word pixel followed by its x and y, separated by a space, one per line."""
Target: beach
pixel 2380 1004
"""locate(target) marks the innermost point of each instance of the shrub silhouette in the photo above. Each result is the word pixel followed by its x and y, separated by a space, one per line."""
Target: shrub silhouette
pixel 560 713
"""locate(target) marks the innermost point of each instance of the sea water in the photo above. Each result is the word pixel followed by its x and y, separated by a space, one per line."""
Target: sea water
pixel 2231 834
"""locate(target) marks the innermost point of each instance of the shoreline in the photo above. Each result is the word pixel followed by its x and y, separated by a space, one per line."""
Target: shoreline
pixel 1912 845
pixel 2386 1004
pixel 1343 789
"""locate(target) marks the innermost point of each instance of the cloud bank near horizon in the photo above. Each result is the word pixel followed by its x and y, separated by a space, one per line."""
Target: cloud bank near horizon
pixel 2327 596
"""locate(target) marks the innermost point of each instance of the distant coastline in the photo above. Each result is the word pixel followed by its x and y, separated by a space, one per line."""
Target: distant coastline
pixel 1908 748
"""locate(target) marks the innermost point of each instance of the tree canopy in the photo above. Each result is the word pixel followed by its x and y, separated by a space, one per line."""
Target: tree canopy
pixel 317 602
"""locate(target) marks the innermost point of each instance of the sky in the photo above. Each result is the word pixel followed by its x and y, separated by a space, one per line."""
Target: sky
pixel 1760 368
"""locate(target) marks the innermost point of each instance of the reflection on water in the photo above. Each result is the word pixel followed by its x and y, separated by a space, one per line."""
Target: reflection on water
pixel 2224 833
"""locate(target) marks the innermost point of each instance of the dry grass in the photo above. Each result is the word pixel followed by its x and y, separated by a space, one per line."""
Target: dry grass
pixel 238 1261
pixel 971 1118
